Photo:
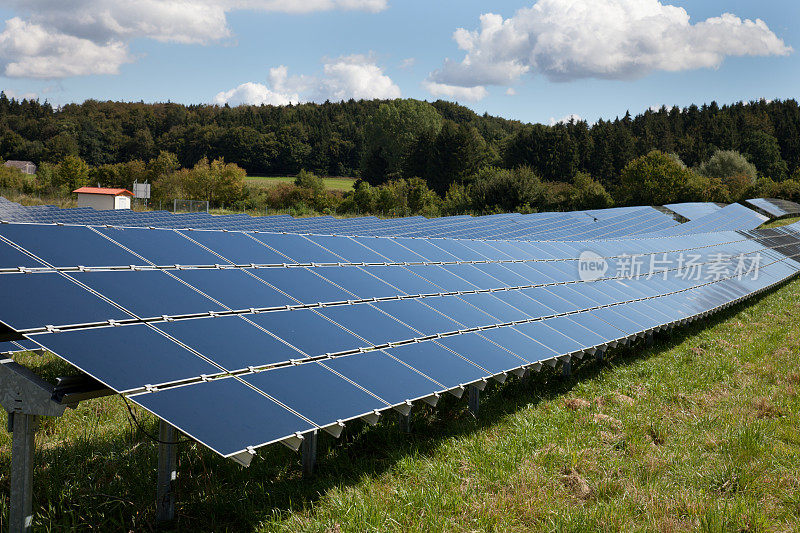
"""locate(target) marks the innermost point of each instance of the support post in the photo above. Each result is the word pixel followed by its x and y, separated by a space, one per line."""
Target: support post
pixel 599 356
pixel 474 400
pixel 566 369
pixel 405 422
pixel 20 516
pixel 309 453
pixel 167 472
pixel 648 339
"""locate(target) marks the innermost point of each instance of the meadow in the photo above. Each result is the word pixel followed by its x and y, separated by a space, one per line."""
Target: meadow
pixel 334 184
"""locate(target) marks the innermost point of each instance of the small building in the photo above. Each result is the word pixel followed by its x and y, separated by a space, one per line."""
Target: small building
pixel 101 198
pixel 26 167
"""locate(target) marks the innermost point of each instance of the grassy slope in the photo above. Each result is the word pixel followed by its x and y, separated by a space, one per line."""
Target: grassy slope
pixel 336 184
pixel 781 222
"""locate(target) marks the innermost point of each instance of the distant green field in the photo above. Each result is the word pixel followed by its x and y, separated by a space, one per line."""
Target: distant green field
pixel 335 184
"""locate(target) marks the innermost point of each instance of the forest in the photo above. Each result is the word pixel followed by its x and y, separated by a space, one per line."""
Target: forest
pixel 411 156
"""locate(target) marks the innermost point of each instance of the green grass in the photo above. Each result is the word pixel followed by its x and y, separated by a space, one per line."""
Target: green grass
pixel 781 222
pixel 699 432
pixel 335 184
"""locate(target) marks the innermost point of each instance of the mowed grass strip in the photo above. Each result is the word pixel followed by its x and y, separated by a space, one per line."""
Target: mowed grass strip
pixel 334 184
pixel 699 432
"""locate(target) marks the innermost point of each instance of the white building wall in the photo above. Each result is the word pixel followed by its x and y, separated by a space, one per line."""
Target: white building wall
pixel 97 201
pixel 122 202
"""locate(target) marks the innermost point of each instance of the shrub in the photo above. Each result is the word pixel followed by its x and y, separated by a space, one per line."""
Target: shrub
pixel 655 179
pixel 727 164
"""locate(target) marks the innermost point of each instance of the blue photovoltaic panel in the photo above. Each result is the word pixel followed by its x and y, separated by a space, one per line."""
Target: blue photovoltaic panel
pixel 303 284
pixel 316 393
pixel 238 248
pixel 126 357
pixel 231 341
pixel 38 300
pixel 241 416
pixel 298 248
pixel 11 258
pixel 438 363
pixel 70 246
pixel 295 327
pixel 147 293
pixel 236 289
pixel 386 377
pixel 162 247
pixel 368 323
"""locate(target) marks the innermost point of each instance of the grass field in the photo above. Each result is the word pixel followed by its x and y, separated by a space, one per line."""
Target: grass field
pixel 334 184
pixel 699 432
pixel 782 222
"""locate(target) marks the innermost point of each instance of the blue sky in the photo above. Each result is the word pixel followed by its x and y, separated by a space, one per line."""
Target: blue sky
pixel 592 58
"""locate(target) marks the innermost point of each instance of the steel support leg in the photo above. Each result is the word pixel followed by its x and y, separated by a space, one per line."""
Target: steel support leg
pixel 648 340
pixel 309 453
pixel 599 355
pixel 405 422
pixel 474 400
pixel 20 517
pixel 167 472
pixel 566 369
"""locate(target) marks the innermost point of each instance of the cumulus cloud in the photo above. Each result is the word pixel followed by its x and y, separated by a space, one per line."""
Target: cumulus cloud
pixel 252 94
pixel 355 76
pixel 57 39
pixel 511 91
pixel 31 51
pixel 408 62
pixel 456 92
pixel 567 40
pixel 572 117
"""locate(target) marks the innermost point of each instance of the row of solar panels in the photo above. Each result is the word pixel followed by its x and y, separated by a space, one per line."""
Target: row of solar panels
pixel 581 225
pixel 775 207
pixel 336 328
pixel 584 225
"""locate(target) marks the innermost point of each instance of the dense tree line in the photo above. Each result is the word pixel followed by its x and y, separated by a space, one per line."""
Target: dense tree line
pixel 440 142
pixel 412 156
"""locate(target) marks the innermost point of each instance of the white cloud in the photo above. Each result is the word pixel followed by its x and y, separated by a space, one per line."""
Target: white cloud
pixel 57 38
pixel 455 92
pixel 572 117
pixel 31 51
pixel 511 91
pixel 408 62
pixel 307 6
pixel 355 76
pixel 611 39
pixel 253 94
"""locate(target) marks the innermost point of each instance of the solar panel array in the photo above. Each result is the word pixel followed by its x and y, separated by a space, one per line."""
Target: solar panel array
pixel 775 207
pixel 605 223
pixel 242 338
pixel 693 210
pixel 730 217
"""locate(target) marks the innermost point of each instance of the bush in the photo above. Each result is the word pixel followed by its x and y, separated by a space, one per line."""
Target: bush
pixel 727 164
pixel 588 193
pixel 457 200
pixel 502 190
pixel 656 179
pixel 309 180
pixel 217 182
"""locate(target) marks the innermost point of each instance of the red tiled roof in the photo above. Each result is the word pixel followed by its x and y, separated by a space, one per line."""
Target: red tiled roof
pixel 103 190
